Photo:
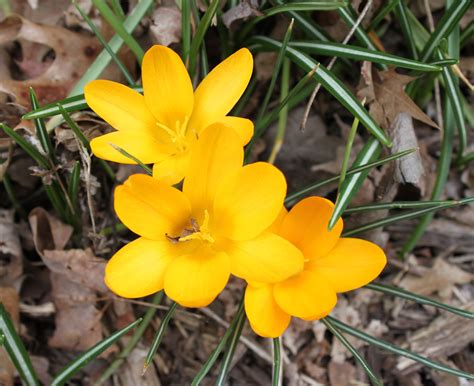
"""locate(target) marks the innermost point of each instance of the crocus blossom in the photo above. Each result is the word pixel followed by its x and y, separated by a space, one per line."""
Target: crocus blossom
pixel 332 265
pixel 191 240
pixel 161 126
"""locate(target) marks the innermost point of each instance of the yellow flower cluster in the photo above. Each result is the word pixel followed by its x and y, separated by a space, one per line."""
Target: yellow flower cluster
pixel 228 218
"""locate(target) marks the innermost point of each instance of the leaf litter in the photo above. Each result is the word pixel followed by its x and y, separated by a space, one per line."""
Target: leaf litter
pixel 54 281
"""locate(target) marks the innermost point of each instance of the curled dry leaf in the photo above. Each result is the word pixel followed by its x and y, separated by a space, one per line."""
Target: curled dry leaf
pixel 49 233
pixel 385 93
pixel 165 27
pixel 241 11
pixel 409 169
pixel 73 54
pixel 11 256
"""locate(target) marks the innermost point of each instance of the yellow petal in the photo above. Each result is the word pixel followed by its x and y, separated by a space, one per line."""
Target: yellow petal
pixel 307 295
pixel 306 226
pixel 351 264
pixel 138 268
pixel 268 258
pixel 120 106
pixel 266 318
pixel 221 89
pixel 276 225
pixel 247 203
pixel 166 85
pixel 151 208
pixel 242 126
pixel 141 145
pixel 216 154
pixel 195 280
pixel 171 169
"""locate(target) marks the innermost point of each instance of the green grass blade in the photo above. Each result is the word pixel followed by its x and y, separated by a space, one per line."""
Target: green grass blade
pixel 119 28
pixel 137 335
pixel 467 34
pixel 74 127
pixel 363 168
pixel 370 373
pixel 118 10
pixel 405 216
pixel 230 350
pixel 401 12
pixel 26 146
pixel 103 59
pixel 215 354
pixel 70 104
pixel 382 14
pixel 134 159
pixel 277 363
pixel 401 293
pixel 397 350
pixel 74 182
pixel 444 163
pixel 276 72
pixel 298 6
pixel 397 205
pixel 347 14
pixel 104 43
pixel 73 367
pixel 370 152
pixel 200 33
pixel 10 190
pixel 41 131
pixel 283 115
pixel 185 30
pixel 159 335
pixel 347 155
pixel 331 83
pixel 16 350
pixel 360 53
pixel 448 22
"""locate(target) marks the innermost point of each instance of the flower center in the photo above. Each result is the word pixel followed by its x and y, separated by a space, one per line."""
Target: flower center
pixel 178 135
pixel 196 232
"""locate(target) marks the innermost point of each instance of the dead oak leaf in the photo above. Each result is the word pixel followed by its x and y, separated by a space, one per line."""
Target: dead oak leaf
pixel 385 93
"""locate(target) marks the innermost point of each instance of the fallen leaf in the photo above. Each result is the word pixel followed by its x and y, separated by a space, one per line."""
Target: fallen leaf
pixel 440 278
pixel 11 255
pixel 384 92
pixel 165 27
pixel 77 319
pixel 73 54
pixel 78 265
pixel 409 169
pixel 48 231
pixel 241 11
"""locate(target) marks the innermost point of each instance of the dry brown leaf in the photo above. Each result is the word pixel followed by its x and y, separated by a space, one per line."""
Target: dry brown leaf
pixel 384 92
pixel 73 55
pixel 77 320
pixel 241 11
pixel 341 374
pixel 11 256
pixel 48 232
pixel 441 278
pixel 165 27
pixel 409 169
pixel 78 265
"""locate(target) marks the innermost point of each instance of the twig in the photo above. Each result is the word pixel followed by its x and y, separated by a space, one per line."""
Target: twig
pixel 331 63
